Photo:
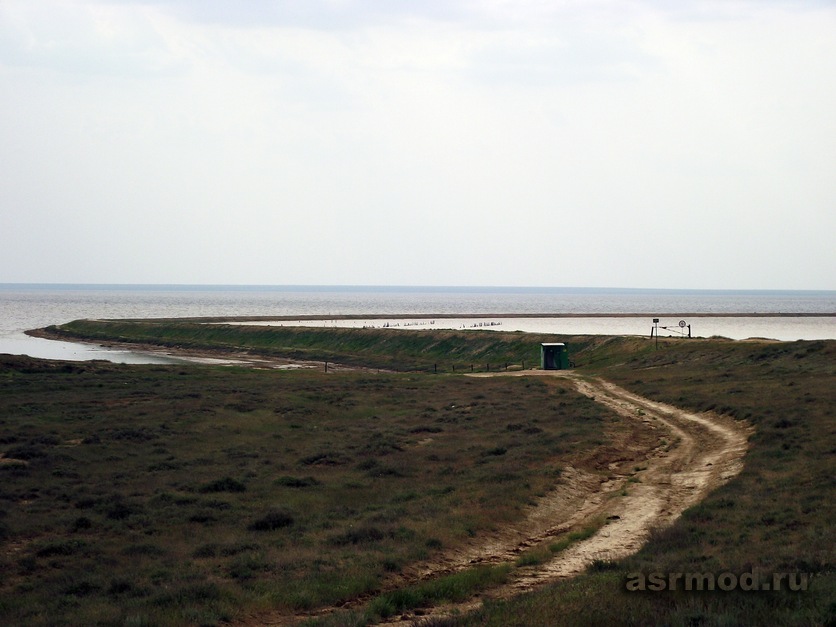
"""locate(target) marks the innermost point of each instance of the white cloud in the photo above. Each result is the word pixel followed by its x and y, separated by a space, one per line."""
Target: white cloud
pixel 84 39
pixel 373 142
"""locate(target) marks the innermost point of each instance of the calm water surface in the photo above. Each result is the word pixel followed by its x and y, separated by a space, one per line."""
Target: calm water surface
pixel 25 307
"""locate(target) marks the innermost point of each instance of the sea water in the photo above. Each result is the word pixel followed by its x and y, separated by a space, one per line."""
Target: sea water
pixel 24 306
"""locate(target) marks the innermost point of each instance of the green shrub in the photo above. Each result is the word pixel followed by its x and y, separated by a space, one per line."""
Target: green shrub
pixel 298 482
pixel 274 519
pixel 227 484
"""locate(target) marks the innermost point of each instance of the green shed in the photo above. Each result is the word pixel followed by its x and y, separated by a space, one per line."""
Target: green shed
pixel 554 356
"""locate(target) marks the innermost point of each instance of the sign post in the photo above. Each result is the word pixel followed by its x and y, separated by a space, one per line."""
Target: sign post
pixel 655 331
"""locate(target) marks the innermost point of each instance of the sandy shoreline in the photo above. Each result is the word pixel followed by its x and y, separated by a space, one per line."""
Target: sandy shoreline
pixel 208 356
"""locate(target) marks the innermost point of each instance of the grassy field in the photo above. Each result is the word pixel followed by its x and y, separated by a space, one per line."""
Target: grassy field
pixel 157 495
pixel 198 495
pixel 777 516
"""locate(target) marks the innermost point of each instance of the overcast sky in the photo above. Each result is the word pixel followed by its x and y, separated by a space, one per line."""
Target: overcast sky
pixel 595 143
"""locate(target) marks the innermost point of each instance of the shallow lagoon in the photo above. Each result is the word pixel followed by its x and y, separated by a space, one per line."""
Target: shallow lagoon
pixel 738 328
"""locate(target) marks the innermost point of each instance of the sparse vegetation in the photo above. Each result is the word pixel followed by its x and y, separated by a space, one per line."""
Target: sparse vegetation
pixel 148 494
pixel 185 495
pixel 776 516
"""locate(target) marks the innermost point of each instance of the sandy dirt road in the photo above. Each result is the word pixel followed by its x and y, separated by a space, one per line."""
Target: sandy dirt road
pixel 696 454
pixel 645 489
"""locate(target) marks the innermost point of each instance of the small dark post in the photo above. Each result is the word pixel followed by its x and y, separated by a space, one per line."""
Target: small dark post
pixel 506 365
pixel 326 366
pixel 471 367
pixel 487 367
pixel 523 364
pixel 435 368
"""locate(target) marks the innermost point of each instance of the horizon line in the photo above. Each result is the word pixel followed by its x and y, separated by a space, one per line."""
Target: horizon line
pixel 388 287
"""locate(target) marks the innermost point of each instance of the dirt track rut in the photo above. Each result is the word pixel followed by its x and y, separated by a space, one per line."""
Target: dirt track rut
pixel 699 453
pixel 695 454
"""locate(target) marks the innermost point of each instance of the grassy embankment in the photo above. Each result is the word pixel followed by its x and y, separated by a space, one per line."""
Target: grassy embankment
pixel 776 516
pixel 392 349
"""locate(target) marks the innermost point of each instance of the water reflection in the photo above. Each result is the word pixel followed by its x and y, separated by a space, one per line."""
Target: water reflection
pixel 71 351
